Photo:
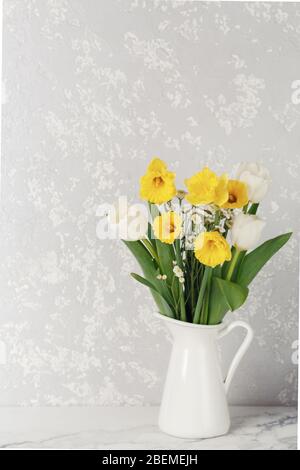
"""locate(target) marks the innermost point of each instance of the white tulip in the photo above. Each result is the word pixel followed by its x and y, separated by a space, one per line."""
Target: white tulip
pixel 128 223
pixel 257 179
pixel 246 231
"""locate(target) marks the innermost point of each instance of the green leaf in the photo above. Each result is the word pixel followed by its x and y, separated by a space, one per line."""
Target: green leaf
pixel 205 309
pixel 145 282
pixel 257 259
pixel 237 263
pixel 165 252
pixel 225 296
pixel 179 260
pixel 217 271
pixel 151 236
pixel 152 250
pixel 148 267
pixel 143 256
pixel 166 256
pixel 154 212
pixel 234 294
pixel 200 300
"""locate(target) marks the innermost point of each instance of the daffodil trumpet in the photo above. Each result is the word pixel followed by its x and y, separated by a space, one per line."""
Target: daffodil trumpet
pixel 201 251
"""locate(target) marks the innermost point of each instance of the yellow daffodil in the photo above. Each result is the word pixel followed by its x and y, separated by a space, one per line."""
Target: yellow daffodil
pixel 238 195
pixel 221 191
pixel 206 188
pixel 211 249
pixel 167 227
pixel 157 185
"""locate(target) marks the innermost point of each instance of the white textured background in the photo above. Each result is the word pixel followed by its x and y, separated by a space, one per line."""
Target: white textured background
pixel 94 89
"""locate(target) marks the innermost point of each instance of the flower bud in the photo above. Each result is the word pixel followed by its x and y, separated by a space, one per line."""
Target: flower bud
pixel 246 231
pixel 257 179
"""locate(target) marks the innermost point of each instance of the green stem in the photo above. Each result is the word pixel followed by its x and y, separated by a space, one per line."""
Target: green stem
pixel 182 304
pixel 192 281
pixel 253 209
pixel 197 314
pixel 207 296
pixel 150 209
pixel 239 264
pixel 176 303
pixel 245 208
pixel 233 265
pixel 177 248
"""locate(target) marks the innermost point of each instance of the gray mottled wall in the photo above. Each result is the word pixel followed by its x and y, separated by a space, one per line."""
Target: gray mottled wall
pixel 94 89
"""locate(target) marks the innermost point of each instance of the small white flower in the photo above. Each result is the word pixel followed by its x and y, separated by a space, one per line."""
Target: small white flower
pixel 164 277
pixel 159 277
pixel 210 209
pixel 199 210
pixel 181 280
pixel 189 244
pixel 196 219
pixel 209 217
pixel 226 213
pixel 221 226
pixel 178 272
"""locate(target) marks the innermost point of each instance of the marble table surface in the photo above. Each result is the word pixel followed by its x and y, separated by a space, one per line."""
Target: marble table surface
pixel 253 428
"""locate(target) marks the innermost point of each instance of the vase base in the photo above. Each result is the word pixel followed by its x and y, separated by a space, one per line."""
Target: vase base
pixel 194 435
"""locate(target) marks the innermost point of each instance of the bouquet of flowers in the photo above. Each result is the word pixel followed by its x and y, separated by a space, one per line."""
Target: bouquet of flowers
pixel 198 257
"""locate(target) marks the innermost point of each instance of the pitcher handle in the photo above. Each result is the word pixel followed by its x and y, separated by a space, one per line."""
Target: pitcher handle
pixel 241 351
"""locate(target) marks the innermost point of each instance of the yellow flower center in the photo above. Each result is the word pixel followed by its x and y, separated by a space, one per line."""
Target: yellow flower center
pixel 158 181
pixel 238 195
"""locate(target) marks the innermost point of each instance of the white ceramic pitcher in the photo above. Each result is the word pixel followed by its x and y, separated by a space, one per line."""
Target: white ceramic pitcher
pixel 194 403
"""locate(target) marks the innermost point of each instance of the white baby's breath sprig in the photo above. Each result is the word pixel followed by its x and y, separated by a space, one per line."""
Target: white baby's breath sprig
pixel 221 227
pixel 196 219
pixel 190 240
pixel 186 209
pixel 227 213
pixel 178 271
